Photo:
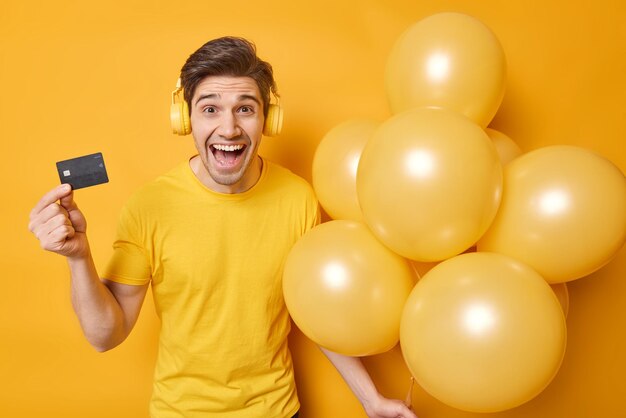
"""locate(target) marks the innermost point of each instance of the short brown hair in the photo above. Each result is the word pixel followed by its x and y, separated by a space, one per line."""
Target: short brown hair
pixel 229 56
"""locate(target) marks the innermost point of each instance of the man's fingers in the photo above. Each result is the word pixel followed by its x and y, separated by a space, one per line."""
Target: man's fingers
pixel 46 226
pixel 52 196
pixel 58 220
pixel 60 234
pixel 46 214
pixel 54 237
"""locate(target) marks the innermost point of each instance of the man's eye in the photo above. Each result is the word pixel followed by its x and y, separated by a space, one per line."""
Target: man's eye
pixel 245 109
pixel 209 110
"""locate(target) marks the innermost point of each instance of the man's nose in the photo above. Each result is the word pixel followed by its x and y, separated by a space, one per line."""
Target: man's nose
pixel 228 126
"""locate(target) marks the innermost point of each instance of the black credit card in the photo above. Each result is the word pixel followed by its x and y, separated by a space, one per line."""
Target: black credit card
pixel 84 171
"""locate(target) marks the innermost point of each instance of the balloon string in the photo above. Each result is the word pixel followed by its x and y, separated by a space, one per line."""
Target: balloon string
pixel 419 276
pixel 408 401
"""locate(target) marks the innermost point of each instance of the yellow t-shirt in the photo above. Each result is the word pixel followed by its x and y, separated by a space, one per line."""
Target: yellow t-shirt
pixel 215 263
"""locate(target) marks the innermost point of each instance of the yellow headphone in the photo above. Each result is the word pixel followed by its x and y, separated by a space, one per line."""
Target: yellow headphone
pixel 181 125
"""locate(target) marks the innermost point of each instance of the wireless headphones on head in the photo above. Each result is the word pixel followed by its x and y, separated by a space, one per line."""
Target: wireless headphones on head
pixel 181 125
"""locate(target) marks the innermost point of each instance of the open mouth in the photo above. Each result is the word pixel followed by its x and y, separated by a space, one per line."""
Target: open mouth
pixel 227 155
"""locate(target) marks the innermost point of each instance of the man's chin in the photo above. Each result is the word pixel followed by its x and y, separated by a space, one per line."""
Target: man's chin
pixel 225 178
pixel 225 174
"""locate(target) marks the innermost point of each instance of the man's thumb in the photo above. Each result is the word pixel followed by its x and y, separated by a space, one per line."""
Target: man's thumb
pixel 67 201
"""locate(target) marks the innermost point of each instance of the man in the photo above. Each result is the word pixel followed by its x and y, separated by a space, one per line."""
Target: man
pixel 211 237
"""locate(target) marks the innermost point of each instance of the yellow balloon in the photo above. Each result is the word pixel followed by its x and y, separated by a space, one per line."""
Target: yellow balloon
pixel 448 60
pixel 345 290
pixel 507 149
pixel 563 212
pixel 335 165
pixel 483 332
pixel 429 183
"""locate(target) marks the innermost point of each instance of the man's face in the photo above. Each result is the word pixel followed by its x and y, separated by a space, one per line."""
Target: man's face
pixel 227 126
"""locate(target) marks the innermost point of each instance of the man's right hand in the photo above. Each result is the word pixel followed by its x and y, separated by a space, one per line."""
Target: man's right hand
pixel 60 227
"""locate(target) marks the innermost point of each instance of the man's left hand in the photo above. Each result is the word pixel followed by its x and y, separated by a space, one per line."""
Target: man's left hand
pixel 389 408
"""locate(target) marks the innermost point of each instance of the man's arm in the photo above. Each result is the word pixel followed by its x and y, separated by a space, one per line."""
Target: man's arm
pixel 359 381
pixel 106 311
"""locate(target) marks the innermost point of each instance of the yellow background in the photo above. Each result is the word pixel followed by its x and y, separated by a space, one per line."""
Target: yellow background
pixel 79 77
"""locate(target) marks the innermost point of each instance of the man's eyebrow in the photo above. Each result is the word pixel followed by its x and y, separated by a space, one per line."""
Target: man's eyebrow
pixel 241 97
pixel 250 97
pixel 207 96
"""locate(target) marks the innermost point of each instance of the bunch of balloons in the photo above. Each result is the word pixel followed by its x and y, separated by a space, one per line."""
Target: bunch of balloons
pixel 432 188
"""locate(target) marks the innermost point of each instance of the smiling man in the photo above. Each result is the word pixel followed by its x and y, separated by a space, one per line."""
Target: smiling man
pixel 210 237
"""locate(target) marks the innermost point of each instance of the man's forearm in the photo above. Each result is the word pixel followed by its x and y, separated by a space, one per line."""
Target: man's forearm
pixel 98 312
pixel 358 379
pixel 355 375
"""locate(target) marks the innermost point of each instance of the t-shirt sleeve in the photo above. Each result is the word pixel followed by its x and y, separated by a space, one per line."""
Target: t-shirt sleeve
pixel 129 263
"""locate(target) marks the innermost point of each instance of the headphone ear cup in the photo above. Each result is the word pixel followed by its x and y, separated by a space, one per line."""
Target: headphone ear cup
pixel 179 118
pixel 273 121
